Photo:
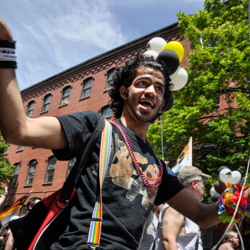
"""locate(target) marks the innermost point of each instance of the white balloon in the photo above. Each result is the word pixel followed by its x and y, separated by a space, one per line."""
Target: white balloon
pixel 236 177
pixel 156 44
pixel 150 53
pixel 213 192
pixel 179 79
pixel 225 175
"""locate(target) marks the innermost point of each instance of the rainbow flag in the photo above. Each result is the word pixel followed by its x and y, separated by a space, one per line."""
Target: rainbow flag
pixel 185 158
pixel 13 210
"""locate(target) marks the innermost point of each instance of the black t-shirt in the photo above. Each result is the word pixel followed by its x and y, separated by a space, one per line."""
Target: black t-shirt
pixel 126 201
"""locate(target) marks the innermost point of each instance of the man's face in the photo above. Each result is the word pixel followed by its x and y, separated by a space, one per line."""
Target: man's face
pixel 200 187
pixel 235 240
pixel 146 94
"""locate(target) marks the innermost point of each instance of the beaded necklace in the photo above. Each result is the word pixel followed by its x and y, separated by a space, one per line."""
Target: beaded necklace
pixel 147 181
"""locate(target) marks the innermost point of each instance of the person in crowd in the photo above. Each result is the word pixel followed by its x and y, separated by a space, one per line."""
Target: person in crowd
pixel 150 229
pixel 149 232
pixel 7 235
pixel 136 178
pixel 231 241
pixel 175 231
pixel 32 202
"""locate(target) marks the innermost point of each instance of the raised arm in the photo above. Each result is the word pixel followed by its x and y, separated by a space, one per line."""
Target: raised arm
pixel 171 225
pixel 15 126
pixel 205 215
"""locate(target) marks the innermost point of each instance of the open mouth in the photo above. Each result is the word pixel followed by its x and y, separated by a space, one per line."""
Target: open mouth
pixel 147 105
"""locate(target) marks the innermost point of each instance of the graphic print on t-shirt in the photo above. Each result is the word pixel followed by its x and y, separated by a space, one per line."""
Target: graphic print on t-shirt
pixel 125 175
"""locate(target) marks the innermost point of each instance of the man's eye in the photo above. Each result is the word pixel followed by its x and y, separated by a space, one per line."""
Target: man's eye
pixel 142 83
pixel 160 89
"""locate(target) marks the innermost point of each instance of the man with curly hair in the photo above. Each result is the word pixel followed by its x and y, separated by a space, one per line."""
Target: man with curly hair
pixel 135 179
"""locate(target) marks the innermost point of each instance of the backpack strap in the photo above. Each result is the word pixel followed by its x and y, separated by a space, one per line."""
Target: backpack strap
pixel 96 221
pixel 76 171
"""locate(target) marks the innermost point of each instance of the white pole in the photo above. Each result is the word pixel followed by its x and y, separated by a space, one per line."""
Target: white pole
pixel 191 151
pixel 162 153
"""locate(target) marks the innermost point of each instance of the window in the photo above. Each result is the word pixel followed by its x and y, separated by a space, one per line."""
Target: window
pixel 30 108
pixel 107 112
pixel 20 148
pixel 46 103
pixel 15 175
pixel 70 166
pixel 31 172
pixel 86 89
pixel 109 78
pixel 65 96
pixel 50 169
pixel 6 150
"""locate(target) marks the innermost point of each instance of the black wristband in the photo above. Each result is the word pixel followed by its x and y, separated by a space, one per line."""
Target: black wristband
pixel 8 44
pixel 8 65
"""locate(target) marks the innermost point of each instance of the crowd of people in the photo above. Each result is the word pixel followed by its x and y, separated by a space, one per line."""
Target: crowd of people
pixel 136 181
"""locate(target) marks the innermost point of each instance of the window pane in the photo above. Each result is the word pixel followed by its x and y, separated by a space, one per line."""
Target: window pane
pixel 109 78
pixel 31 173
pixel 20 147
pixel 86 89
pixel 30 108
pixel 47 99
pixel 6 150
pixel 66 91
pixel 65 96
pixel 88 83
pixel 50 169
pixel 15 175
pixel 46 102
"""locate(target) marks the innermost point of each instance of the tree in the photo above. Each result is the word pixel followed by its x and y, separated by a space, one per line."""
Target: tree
pixel 6 168
pixel 219 69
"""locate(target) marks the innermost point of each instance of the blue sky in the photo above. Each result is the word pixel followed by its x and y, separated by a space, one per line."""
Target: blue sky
pixel 53 36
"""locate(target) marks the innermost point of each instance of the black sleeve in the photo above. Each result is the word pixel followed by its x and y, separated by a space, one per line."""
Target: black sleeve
pixel 169 186
pixel 78 128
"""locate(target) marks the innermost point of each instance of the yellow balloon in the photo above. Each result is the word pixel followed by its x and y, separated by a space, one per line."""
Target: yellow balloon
pixel 177 47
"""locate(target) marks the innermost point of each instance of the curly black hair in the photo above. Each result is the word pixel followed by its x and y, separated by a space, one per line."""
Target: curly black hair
pixel 125 74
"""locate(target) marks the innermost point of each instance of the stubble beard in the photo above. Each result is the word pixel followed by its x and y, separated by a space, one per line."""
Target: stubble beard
pixel 141 116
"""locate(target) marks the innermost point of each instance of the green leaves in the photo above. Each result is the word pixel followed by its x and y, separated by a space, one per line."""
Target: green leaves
pixel 6 168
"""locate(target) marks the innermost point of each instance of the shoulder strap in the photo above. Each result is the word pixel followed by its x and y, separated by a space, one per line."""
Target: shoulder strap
pixel 76 171
pixel 96 221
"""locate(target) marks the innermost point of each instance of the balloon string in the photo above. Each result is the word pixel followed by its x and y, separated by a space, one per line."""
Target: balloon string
pixel 241 240
pixel 236 209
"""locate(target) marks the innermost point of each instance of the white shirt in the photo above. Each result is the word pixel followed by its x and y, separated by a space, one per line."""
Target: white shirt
pixel 184 241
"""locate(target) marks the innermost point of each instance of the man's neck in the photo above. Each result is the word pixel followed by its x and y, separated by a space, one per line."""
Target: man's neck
pixel 139 128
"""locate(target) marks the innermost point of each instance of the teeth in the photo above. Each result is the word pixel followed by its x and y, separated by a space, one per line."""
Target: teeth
pixel 151 104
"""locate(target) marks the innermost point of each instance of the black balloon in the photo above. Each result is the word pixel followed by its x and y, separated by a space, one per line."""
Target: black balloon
pixel 170 58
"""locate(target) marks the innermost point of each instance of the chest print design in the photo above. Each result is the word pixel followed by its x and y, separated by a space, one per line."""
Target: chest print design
pixel 125 175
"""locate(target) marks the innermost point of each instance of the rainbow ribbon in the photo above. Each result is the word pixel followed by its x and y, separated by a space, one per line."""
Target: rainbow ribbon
pixel 96 222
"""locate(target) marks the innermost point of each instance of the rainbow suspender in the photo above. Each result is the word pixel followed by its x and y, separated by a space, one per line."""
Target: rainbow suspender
pixel 95 225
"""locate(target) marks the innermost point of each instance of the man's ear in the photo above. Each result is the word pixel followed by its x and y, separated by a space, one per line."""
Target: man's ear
pixel 123 92
pixel 194 182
